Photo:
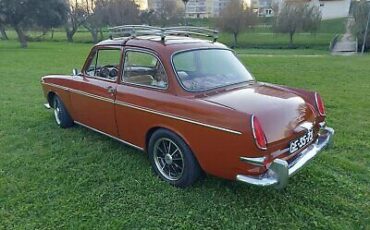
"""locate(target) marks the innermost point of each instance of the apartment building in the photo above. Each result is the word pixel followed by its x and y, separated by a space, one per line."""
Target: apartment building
pixel 197 8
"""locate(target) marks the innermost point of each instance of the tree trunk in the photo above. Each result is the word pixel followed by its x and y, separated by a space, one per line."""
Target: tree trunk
pixel 101 34
pixel 235 40
pixel 69 34
pixel 4 36
pixel 291 34
pixel 52 33
pixel 21 36
pixel 94 35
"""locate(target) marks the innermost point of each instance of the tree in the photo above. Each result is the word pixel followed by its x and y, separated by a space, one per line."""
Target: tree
pixel 234 18
pixel 122 12
pixel 169 13
pixel 76 15
pixel 95 18
pixel 147 17
pixel 26 13
pixel 361 16
pixel 296 16
pixel 3 34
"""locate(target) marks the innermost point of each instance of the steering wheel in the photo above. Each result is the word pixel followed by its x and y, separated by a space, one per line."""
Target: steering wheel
pixel 113 73
pixel 104 72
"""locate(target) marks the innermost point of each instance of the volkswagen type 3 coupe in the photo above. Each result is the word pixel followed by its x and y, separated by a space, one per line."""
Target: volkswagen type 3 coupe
pixel 192 106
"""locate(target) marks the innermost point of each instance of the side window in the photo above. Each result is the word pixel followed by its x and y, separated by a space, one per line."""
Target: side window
pixel 105 64
pixel 144 69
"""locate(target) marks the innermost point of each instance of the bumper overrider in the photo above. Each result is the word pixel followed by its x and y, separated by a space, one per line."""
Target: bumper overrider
pixel 280 170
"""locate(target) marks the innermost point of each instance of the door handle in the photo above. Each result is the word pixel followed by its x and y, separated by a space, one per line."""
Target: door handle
pixel 110 90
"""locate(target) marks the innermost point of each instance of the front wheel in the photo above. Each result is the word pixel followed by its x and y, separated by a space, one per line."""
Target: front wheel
pixel 61 115
pixel 172 159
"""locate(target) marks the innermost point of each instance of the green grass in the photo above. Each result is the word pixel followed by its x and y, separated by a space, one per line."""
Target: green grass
pixel 75 178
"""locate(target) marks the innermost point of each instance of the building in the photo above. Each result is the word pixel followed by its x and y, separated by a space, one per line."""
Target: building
pixel 330 9
pixel 333 9
pixel 197 8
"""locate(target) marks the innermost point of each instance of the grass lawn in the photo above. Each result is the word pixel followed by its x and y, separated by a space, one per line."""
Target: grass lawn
pixel 75 178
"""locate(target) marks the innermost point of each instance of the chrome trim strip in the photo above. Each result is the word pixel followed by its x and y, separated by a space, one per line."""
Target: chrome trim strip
pixel 145 109
pixel 280 170
pixel 176 117
pixel 254 135
pixel 81 92
pixel 259 161
pixel 113 137
pixel 317 105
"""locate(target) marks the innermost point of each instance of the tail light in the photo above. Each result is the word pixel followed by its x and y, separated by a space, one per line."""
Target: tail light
pixel 320 104
pixel 258 134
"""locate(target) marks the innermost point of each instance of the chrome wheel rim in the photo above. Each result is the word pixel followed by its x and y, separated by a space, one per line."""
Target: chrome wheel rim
pixel 57 111
pixel 168 159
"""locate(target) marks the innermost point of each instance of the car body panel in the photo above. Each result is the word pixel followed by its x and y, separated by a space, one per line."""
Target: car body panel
pixel 215 124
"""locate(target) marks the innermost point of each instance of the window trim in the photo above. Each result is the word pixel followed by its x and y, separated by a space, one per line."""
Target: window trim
pixel 212 89
pixel 139 50
pixel 96 56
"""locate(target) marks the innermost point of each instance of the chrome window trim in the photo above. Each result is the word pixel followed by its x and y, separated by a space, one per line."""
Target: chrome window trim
pixel 97 53
pixel 113 137
pixel 122 80
pixel 121 103
pixel 204 48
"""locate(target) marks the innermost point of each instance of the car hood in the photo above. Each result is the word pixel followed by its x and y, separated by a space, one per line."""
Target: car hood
pixel 280 111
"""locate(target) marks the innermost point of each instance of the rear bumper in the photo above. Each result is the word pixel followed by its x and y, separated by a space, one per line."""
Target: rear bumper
pixel 280 170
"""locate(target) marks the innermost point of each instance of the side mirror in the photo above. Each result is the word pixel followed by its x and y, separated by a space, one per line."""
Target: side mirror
pixel 75 72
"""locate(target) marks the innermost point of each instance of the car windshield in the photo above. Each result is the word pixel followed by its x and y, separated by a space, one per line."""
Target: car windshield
pixel 202 70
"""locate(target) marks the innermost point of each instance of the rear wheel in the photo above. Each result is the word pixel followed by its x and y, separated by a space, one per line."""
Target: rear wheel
pixel 172 159
pixel 61 115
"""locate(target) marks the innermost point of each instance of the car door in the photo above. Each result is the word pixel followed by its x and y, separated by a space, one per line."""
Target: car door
pixel 95 92
pixel 144 85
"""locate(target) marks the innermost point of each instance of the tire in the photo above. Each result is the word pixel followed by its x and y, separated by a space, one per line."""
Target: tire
pixel 61 115
pixel 172 160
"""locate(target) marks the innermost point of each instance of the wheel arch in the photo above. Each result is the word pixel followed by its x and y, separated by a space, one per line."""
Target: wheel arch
pixel 50 96
pixel 152 130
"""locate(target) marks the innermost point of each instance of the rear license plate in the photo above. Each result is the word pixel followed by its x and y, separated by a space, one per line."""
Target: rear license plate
pixel 301 142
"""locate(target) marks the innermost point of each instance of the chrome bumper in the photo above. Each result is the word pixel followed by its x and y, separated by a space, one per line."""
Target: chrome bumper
pixel 47 106
pixel 280 170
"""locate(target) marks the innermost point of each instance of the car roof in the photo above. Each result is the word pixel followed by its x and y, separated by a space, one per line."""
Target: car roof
pixel 170 43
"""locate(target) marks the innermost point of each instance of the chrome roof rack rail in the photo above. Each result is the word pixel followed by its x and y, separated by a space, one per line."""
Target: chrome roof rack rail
pixel 137 30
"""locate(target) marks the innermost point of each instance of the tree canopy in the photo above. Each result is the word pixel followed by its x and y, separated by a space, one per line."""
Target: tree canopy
pixel 235 18
pixel 297 16
pixel 23 14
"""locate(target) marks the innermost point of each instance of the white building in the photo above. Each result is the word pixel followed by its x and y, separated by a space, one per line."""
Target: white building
pixel 197 8
pixel 333 9
pixel 330 9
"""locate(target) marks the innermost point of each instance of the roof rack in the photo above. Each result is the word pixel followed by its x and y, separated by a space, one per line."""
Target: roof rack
pixel 137 30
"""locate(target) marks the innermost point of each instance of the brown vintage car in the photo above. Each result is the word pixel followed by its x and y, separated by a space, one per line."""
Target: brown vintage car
pixel 192 106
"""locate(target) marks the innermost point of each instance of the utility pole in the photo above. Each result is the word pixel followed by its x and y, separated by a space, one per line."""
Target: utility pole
pixel 365 35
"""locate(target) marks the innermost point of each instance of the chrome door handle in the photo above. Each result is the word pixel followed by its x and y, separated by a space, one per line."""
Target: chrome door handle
pixel 110 90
